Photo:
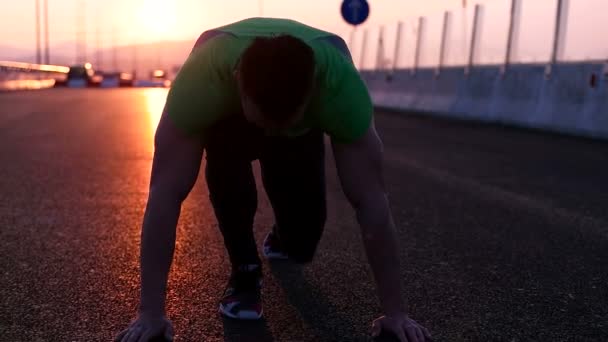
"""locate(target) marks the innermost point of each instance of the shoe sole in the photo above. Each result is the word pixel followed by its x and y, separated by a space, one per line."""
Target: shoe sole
pixel 275 256
pixel 272 255
pixel 242 315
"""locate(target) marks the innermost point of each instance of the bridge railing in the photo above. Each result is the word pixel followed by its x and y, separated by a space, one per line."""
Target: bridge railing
pixel 7 66
pixel 421 68
pixel 18 76
pixel 498 32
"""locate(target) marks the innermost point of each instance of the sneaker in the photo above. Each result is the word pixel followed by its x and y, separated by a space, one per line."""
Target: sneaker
pixel 272 247
pixel 242 297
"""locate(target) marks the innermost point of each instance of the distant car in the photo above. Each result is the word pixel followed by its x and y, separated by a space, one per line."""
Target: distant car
pixel 126 79
pixel 117 79
pixel 82 76
pixel 158 78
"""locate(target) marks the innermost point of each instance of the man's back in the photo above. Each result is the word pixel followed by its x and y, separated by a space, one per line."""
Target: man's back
pixel 268 27
pixel 205 90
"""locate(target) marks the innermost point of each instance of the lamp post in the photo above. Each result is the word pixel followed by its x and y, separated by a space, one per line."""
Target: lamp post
pixel 47 49
pixel 38 52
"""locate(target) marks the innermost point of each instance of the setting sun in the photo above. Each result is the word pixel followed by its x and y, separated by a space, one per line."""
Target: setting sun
pixel 157 17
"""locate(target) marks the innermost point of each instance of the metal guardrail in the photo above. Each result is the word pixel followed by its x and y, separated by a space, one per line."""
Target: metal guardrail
pixel 8 66
pixel 26 76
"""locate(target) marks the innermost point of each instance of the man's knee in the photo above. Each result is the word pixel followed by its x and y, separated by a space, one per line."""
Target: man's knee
pixel 301 240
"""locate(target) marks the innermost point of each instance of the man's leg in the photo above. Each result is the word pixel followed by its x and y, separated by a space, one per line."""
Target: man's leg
pixel 229 150
pixel 230 147
pixel 293 172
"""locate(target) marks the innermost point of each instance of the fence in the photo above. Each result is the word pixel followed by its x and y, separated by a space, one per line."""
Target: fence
pixel 18 76
pixel 488 34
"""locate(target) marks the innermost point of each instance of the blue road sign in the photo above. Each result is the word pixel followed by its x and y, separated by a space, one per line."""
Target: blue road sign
pixel 355 12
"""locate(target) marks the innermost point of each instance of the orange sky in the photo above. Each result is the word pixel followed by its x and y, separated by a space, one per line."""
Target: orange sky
pixel 152 20
pixel 148 20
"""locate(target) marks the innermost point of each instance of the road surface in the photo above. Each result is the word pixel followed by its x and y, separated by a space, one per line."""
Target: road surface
pixel 503 232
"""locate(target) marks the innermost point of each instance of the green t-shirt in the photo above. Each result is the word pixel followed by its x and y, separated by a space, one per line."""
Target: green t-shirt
pixel 205 90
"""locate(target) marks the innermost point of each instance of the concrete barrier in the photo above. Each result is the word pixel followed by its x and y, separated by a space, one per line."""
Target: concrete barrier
pixel 11 81
pixel 572 99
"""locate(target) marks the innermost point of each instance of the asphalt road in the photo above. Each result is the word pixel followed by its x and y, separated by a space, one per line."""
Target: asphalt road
pixel 503 232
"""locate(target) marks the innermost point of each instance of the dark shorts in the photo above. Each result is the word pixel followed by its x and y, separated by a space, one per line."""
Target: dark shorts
pixel 293 175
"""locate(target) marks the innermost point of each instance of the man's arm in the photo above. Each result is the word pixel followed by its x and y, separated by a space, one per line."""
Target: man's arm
pixel 360 170
pixel 175 168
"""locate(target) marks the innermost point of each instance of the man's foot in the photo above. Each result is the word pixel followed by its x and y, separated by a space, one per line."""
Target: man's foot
pixel 242 297
pixel 273 248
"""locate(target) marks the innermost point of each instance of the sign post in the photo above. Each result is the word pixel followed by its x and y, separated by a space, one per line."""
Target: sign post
pixel 355 12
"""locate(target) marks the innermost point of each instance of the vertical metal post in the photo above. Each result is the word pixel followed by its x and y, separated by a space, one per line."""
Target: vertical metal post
pixel 81 38
pixel 363 46
pixel 114 51
pixel 159 56
pixel 351 39
pixel 134 57
pixel 77 59
pixel 380 51
pixel 397 47
pixel 444 37
pixel 98 46
pixel 47 49
pixel 559 39
pixel 465 30
pixel 84 31
pixel 421 22
pixel 38 51
pixel 513 33
pixel 474 38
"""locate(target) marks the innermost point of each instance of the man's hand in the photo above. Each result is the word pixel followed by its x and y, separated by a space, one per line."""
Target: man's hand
pixel 146 328
pixel 402 327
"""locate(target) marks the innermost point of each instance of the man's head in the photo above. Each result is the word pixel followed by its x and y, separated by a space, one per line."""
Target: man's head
pixel 275 77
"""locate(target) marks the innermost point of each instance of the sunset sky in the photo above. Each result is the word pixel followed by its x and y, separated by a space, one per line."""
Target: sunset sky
pixel 145 21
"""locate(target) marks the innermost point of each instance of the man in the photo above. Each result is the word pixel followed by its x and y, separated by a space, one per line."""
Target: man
pixel 267 89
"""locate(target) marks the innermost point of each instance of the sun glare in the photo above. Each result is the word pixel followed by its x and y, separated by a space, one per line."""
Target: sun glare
pixel 157 17
pixel 155 101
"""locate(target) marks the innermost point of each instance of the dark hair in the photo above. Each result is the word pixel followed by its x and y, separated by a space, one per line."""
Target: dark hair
pixel 277 73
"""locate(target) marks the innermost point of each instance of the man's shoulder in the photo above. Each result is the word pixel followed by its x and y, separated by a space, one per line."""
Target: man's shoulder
pixel 207 36
pixel 204 88
pixel 267 27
